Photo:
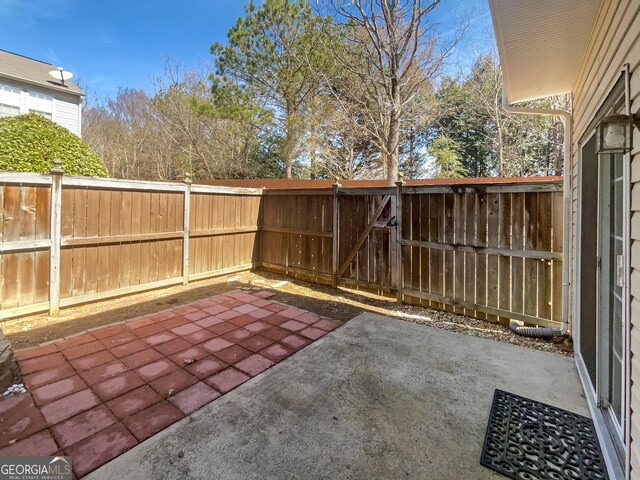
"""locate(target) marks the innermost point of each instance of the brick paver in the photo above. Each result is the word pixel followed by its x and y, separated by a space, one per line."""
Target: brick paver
pixel 61 388
pixel 194 397
pixel 82 426
pixel 295 342
pixel 276 352
pixel 227 379
pixel 256 343
pixel 41 443
pixel 151 420
pixel 254 364
pixel 133 402
pixel 96 395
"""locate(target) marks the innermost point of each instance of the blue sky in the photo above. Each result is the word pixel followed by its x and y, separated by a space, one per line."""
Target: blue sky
pixel 111 44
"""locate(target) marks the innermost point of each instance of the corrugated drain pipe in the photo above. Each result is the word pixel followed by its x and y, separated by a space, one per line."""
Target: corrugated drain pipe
pixel 541 332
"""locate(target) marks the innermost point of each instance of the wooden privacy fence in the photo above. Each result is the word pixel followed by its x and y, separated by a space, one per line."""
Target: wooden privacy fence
pixel 69 240
pixel 297 232
pixel 492 251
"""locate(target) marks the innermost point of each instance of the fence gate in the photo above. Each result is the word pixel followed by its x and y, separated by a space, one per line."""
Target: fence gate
pixel 366 237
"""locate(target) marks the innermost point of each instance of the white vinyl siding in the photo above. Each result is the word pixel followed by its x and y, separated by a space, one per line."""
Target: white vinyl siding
pixel 614 42
pixel 61 108
pixel 67 113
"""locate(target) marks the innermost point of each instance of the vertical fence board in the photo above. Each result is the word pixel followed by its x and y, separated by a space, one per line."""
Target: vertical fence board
pixel 91 254
pixel 504 262
pixel 459 257
pixel 114 249
pixel 125 247
pixel 26 262
pixel 481 258
pixel 532 222
pixel 424 234
pixel 42 226
pixel 517 264
pixel 416 252
pixel 104 212
pixel 544 243
pixel 66 230
pixel 79 266
pixel 556 246
pixel 493 238
pixel 470 257
pixel 435 255
pixel 448 236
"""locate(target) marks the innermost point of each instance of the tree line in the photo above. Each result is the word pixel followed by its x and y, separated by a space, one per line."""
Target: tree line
pixel 338 90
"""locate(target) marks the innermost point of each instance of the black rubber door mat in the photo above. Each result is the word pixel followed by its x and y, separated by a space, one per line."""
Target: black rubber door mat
pixel 527 439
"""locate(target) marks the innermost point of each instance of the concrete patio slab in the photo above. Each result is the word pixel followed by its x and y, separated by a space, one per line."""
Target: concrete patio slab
pixel 378 398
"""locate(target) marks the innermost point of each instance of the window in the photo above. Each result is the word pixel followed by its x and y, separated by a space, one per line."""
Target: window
pixel 9 100
pixel 44 114
pixel 40 95
pixel 8 110
pixel 9 88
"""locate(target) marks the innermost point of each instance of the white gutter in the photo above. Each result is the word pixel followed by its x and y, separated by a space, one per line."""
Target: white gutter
pixel 566 193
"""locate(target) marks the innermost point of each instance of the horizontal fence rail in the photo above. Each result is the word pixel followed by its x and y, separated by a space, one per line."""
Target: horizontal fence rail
pixel 488 250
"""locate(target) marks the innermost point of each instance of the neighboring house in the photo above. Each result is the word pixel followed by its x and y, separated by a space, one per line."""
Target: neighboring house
pixel 591 50
pixel 26 86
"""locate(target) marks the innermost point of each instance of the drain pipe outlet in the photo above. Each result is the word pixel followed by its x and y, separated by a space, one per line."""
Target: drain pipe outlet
pixel 534 332
pixel 566 197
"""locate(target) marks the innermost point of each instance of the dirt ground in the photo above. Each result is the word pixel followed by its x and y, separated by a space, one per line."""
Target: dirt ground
pixel 338 304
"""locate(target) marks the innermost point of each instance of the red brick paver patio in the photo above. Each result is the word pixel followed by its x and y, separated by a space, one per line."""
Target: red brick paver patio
pixel 95 395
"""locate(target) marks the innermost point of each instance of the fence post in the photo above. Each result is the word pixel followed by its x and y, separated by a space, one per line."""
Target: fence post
pixel 399 266
pixel 54 218
pixel 336 234
pixel 185 229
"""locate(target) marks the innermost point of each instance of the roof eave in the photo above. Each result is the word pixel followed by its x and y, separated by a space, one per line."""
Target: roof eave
pixel 532 91
pixel 57 88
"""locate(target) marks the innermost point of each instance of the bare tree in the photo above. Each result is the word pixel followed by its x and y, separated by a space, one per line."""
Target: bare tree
pixel 161 136
pixel 123 131
pixel 392 52
pixel 343 150
pixel 523 145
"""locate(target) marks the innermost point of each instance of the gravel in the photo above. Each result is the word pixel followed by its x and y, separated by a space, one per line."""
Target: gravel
pixel 344 304
pixel 15 389
pixel 477 328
